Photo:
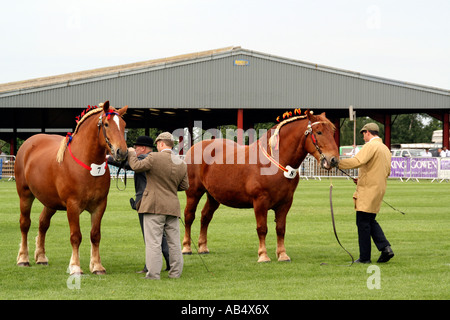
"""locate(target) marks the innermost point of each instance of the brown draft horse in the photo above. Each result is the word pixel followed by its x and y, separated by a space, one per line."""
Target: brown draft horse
pixel 224 170
pixel 75 181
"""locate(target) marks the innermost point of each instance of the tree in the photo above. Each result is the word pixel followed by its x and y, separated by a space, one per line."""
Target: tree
pixel 413 128
pixel 406 128
pixel 347 130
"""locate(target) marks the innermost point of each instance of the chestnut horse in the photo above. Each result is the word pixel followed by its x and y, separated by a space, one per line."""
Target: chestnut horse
pixel 75 181
pixel 243 177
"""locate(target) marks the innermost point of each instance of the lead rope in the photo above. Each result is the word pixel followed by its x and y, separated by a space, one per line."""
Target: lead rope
pixel 122 165
pixel 334 225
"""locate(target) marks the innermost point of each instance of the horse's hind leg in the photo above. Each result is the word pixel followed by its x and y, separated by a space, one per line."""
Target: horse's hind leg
pixel 26 201
pixel 44 224
pixel 189 216
pixel 210 207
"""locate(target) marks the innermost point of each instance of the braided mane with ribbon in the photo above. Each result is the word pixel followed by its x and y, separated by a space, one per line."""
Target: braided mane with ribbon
pixel 79 120
pixel 274 140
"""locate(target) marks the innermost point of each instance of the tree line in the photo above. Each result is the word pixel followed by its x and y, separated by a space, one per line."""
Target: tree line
pixel 406 128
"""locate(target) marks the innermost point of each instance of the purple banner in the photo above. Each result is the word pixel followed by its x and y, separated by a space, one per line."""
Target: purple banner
pixel 424 167
pixel 445 164
pixel 399 166
pixel 414 167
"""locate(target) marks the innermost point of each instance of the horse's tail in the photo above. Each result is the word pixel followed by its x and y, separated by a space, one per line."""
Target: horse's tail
pixel 61 150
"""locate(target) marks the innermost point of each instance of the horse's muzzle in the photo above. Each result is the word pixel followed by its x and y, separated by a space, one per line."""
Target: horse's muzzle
pixel 329 163
pixel 120 155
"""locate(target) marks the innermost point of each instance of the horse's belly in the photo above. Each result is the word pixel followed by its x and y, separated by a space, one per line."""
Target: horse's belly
pixel 228 189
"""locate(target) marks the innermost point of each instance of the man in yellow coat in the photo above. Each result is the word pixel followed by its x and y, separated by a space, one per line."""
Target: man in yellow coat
pixel 374 163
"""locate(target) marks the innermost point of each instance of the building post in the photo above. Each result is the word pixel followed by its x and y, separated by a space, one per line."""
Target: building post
pixel 445 130
pixel 240 126
pixel 387 130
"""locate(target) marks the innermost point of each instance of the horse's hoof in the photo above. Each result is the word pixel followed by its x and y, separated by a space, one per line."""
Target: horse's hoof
pixel 99 272
pixel 186 250
pixel 42 263
pixel 23 264
pixel 263 259
pixel 75 271
pixel 204 252
pixel 187 253
pixel 283 257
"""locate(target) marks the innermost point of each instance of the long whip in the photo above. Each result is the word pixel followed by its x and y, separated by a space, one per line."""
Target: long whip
pixel 334 226
pixel 199 254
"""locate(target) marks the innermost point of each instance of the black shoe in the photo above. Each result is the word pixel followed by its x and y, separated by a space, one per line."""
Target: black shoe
pixel 143 270
pixel 386 254
pixel 363 261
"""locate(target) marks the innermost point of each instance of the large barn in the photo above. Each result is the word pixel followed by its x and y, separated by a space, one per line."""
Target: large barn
pixel 231 85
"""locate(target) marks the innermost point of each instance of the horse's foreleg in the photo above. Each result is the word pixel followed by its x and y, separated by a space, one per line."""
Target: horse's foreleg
pixel 210 207
pixel 26 202
pixel 73 215
pixel 280 218
pixel 44 224
pixel 95 265
pixel 261 229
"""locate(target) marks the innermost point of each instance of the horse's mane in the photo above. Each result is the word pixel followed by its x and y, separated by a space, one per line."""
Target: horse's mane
pixel 65 141
pixel 274 138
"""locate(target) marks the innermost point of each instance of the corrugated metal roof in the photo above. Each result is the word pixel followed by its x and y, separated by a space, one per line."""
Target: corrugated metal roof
pixel 213 79
pixel 99 73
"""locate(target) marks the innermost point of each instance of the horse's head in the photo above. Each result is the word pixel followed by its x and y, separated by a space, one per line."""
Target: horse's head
pixel 320 140
pixel 113 127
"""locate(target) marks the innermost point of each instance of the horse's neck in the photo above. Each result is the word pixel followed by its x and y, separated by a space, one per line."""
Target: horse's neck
pixel 292 144
pixel 86 145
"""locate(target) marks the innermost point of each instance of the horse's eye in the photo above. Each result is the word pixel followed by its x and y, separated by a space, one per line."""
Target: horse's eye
pixel 319 132
pixel 106 124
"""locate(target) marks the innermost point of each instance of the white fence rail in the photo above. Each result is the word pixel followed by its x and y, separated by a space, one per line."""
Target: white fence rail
pixel 7 167
pixel 403 168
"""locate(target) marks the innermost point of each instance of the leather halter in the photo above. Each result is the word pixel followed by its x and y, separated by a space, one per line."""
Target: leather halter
pixel 313 138
pixel 100 124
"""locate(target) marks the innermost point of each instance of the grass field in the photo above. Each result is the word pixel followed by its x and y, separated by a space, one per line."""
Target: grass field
pixel 419 270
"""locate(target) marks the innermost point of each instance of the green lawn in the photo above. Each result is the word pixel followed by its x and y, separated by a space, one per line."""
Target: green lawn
pixel 420 240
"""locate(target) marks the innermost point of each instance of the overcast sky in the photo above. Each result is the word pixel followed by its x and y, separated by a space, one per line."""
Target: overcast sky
pixel 401 40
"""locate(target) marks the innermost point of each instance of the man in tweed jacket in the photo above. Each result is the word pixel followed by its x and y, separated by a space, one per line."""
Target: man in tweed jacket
pixel 166 175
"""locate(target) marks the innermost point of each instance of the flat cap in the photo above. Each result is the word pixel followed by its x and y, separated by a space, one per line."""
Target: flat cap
pixel 164 136
pixel 370 127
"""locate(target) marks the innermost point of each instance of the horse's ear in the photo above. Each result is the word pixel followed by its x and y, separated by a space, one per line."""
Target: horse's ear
pixel 123 110
pixel 106 106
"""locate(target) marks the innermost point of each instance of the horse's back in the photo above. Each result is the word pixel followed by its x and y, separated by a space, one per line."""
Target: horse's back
pixel 38 148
